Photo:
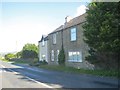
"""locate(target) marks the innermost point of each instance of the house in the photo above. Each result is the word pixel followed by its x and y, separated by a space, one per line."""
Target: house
pixel 43 48
pixel 75 48
pixel 55 43
pixel 70 35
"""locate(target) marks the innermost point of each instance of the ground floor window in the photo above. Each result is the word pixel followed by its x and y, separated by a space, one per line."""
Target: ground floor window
pixel 75 56
pixel 52 55
pixel 57 54
pixel 43 57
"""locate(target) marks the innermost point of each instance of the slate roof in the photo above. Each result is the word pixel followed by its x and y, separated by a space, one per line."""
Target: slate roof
pixel 45 37
pixel 75 21
pixel 58 29
pixel 72 22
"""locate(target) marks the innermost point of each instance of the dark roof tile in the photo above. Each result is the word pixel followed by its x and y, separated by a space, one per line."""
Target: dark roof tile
pixel 75 21
pixel 72 22
pixel 45 37
pixel 58 29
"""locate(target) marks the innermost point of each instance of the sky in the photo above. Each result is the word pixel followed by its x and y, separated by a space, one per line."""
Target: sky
pixel 26 22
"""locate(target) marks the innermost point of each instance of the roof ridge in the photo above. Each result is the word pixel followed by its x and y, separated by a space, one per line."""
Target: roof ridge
pixel 74 21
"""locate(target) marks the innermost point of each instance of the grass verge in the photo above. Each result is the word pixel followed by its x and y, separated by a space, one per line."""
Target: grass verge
pixel 19 61
pixel 5 60
pixel 108 73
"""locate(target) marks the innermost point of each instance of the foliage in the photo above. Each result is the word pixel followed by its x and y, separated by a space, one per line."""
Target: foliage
pixel 9 56
pixel 43 62
pixel 101 34
pixel 109 73
pixel 18 54
pixel 0 56
pixel 61 57
pixel 31 47
pixel 36 62
pixel 29 51
pixel 29 54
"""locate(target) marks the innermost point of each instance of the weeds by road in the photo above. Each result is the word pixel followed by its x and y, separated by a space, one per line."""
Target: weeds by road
pixel 108 73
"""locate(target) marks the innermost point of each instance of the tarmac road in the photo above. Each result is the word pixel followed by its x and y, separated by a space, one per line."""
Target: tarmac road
pixel 24 76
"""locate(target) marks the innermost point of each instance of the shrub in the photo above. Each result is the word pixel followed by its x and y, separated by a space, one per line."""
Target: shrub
pixel 34 62
pixel 61 57
pixel 9 56
pixel 43 62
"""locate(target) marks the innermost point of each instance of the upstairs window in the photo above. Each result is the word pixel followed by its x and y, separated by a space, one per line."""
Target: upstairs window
pixel 54 38
pixel 73 34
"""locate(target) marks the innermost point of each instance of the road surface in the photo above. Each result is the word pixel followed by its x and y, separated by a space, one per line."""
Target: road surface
pixel 23 76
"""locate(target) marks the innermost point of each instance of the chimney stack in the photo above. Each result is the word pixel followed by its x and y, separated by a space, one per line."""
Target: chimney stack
pixel 67 19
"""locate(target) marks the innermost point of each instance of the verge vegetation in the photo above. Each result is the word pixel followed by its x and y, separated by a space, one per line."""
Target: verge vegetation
pixel 62 68
pixel 109 73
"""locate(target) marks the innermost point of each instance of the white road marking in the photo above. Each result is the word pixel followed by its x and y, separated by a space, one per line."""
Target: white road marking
pixel 3 66
pixel 31 79
pixel 39 82
pixel 12 71
pixel 2 69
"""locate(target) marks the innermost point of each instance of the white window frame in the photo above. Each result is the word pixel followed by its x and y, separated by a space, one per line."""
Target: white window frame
pixel 52 55
pixel 43 57
pixel 58 51
pixel 73 34
pixel 54 38
pixel 75 56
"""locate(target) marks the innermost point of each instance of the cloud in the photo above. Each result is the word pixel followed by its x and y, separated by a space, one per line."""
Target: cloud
pixel 81 10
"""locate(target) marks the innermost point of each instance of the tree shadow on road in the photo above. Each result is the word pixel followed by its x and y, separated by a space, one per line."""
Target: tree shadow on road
pixel 55 80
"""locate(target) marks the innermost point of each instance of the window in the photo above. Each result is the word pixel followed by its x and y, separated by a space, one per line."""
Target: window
pixel 57 54
pixel 73 34
pixel 43 43
pixel 52 55
pixel 43 57
pixel 75 56
pixel 54 38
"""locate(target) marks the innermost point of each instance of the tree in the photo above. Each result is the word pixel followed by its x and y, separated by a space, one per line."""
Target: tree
pixel 31 47
pixel 18 54
pixel 101 34
pixel 61 57
pixel 9 56
pixel 30 51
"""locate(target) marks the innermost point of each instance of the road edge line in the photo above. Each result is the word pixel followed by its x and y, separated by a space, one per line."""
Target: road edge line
pixel 30 78
pixel 2 66
pixel 39 82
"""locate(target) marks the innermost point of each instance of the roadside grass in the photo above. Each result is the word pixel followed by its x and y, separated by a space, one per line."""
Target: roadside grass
pixel 18 61
pixel 108 73
pixel 21 62
pixel 5 60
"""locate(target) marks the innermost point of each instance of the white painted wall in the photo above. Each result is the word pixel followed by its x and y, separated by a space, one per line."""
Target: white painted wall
pixel 43 50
